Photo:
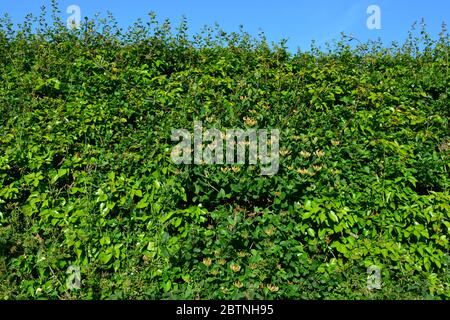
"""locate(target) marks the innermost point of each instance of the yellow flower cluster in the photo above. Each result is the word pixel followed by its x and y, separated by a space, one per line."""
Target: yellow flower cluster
pixel 250 121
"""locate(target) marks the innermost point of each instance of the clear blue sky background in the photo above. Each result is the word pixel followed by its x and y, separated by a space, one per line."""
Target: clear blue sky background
pixel 300 21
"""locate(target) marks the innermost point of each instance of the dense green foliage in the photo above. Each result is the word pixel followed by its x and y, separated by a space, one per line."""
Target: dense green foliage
pixel 86 177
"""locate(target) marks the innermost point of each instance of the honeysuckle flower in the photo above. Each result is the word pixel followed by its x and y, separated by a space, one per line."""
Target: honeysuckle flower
pixel 319 153
pixel 207 261
pixel 222 262
pixel 235 267
pixel 235 169
pixel 303 171
pixel 272 288
pixel 305 154
pixel 335 142
pixel 317 167
pixel 249 121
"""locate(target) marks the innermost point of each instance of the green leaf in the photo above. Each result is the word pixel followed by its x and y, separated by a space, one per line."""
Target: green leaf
pixel 333 216
pixel 105 257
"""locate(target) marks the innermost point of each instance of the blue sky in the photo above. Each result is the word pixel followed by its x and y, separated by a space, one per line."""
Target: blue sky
pixel 300 21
